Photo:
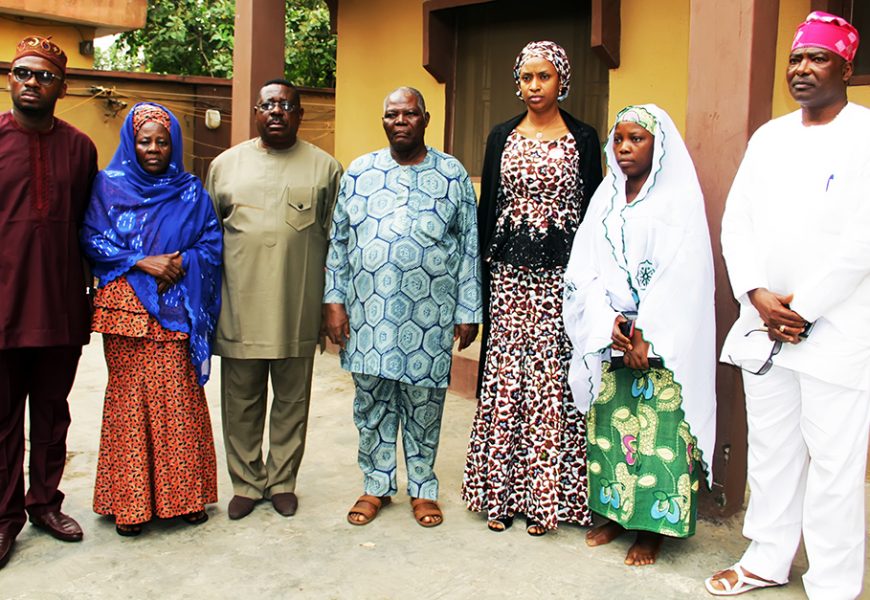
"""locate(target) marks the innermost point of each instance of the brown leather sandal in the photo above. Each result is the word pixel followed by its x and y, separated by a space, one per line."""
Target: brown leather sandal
pixel 423 507
pixel 368 508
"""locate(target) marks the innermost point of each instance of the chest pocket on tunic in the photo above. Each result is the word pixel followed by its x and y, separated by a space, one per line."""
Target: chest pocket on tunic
pixel 836 205
pixel 300 207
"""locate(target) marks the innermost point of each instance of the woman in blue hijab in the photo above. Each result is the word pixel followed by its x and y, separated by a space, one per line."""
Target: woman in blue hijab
pixel 154 242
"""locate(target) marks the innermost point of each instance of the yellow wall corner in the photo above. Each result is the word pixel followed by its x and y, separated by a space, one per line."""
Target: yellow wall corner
pixel 380 47
pixel 68 37
pixel 654 58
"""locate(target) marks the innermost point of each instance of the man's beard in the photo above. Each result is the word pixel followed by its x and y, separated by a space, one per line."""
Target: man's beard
pixel 35 112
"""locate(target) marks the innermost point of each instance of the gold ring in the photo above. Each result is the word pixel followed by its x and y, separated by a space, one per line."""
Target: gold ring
pixel 782 328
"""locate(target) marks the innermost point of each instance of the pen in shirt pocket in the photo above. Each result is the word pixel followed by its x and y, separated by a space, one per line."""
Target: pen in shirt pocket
pixel 828 184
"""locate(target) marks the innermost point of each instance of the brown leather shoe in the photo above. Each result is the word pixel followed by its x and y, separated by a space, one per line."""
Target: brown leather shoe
pixel 285 503
pixel 59 525
pixel 240 507
pixel 7 541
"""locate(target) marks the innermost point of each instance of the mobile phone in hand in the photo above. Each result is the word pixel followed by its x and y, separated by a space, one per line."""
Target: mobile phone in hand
pixel 627 327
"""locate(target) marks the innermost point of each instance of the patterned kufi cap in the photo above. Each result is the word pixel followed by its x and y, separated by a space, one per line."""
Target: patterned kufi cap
pixel 43 47
pixel 550 51
pixel 149 113
pixel 824 30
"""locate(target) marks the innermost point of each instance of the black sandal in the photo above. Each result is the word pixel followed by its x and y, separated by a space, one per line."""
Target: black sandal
pixel 195 518
pixel 128 530
pixel 505 522
pixel 534 529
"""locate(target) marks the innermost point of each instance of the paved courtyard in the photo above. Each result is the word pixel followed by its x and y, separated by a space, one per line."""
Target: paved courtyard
pixel 316 554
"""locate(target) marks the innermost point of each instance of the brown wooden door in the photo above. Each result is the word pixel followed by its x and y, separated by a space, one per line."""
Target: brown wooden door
pixel 489 36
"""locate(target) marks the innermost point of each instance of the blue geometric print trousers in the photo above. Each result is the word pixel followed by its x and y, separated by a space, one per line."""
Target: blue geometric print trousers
pixel 379 408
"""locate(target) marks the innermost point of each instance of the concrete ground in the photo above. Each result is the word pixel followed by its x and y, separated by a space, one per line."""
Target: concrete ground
pixel 316 554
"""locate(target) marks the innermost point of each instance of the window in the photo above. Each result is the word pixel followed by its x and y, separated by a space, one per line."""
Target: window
pixel 857 12
pixel 860 17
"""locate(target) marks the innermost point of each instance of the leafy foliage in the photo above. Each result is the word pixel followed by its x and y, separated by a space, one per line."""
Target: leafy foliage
pixel 309 46
pixel 195 37
pixel 116 58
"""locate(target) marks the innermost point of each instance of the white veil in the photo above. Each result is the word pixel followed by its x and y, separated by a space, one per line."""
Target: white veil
pixel 652 256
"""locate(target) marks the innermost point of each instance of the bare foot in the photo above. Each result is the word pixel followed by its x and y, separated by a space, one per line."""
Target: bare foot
pixel 604 534
pixel 730 575
pixel 645 549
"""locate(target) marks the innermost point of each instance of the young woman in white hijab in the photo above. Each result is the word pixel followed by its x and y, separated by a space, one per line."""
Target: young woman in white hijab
pixel 639 311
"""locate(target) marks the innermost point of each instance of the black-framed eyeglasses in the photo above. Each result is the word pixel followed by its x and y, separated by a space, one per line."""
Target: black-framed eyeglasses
pixel 44 78
pixel 285 105
pixel 774 350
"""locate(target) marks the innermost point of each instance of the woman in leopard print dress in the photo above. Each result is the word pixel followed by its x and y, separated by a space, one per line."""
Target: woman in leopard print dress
pixel 527 449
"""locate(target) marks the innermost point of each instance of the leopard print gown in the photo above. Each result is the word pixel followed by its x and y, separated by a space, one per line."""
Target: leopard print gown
pixel 527 452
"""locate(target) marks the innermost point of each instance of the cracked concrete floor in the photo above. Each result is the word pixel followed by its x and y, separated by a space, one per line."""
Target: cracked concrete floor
pixel 316 554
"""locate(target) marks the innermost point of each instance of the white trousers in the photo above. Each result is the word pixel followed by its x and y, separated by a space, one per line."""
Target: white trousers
pixel 806 466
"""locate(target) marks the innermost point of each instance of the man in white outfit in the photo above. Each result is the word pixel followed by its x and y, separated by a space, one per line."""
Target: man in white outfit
pixel 796 239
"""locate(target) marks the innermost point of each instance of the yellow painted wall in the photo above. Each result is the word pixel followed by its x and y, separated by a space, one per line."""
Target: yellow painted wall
pixel 860 94
pixel 13 30
pixel 380 47
pixel 791 14
pixel 92 117
pixel 111 16
pixel 654 58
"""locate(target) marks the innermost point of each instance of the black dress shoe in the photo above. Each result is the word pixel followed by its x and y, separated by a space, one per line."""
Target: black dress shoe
pixel 285 503
pixel 240 507
pixel 7 541
pixel 59 525
pixel 129 530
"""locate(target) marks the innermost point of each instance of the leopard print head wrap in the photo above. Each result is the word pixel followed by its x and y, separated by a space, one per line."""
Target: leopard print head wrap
pixel 552 52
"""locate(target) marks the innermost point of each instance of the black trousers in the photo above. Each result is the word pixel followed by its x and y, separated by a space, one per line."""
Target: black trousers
pixel 45 376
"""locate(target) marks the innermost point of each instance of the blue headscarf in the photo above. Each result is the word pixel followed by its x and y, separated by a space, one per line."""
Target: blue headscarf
pixel 134 214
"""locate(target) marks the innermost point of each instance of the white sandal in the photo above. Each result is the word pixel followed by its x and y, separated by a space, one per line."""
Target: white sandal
pixel 744 584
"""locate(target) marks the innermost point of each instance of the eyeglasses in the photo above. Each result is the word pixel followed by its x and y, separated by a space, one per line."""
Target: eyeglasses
pixel 777 346
pixel 286 106
pixel 43 78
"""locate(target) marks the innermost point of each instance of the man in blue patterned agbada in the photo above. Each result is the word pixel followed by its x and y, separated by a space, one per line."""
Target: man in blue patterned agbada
pixel 402 282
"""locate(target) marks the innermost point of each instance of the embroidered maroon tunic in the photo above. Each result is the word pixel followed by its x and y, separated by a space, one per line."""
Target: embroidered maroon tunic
pixel 45 185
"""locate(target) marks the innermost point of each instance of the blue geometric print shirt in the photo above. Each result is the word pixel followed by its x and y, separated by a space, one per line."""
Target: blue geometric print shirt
pixel 404 260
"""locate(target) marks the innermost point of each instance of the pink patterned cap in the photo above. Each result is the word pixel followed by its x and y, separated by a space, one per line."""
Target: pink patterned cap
pixel 824 30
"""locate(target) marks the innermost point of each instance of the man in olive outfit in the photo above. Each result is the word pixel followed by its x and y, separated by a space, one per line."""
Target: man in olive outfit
pixel 274 195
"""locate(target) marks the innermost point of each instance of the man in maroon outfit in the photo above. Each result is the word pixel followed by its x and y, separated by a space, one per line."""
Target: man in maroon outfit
pixel 46 170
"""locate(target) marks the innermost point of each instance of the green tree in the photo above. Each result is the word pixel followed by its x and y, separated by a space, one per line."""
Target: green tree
pixel 195 37
pixel 309 45
pixel 115 58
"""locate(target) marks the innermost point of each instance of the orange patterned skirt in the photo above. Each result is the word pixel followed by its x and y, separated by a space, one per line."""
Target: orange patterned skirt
pixel 157 453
